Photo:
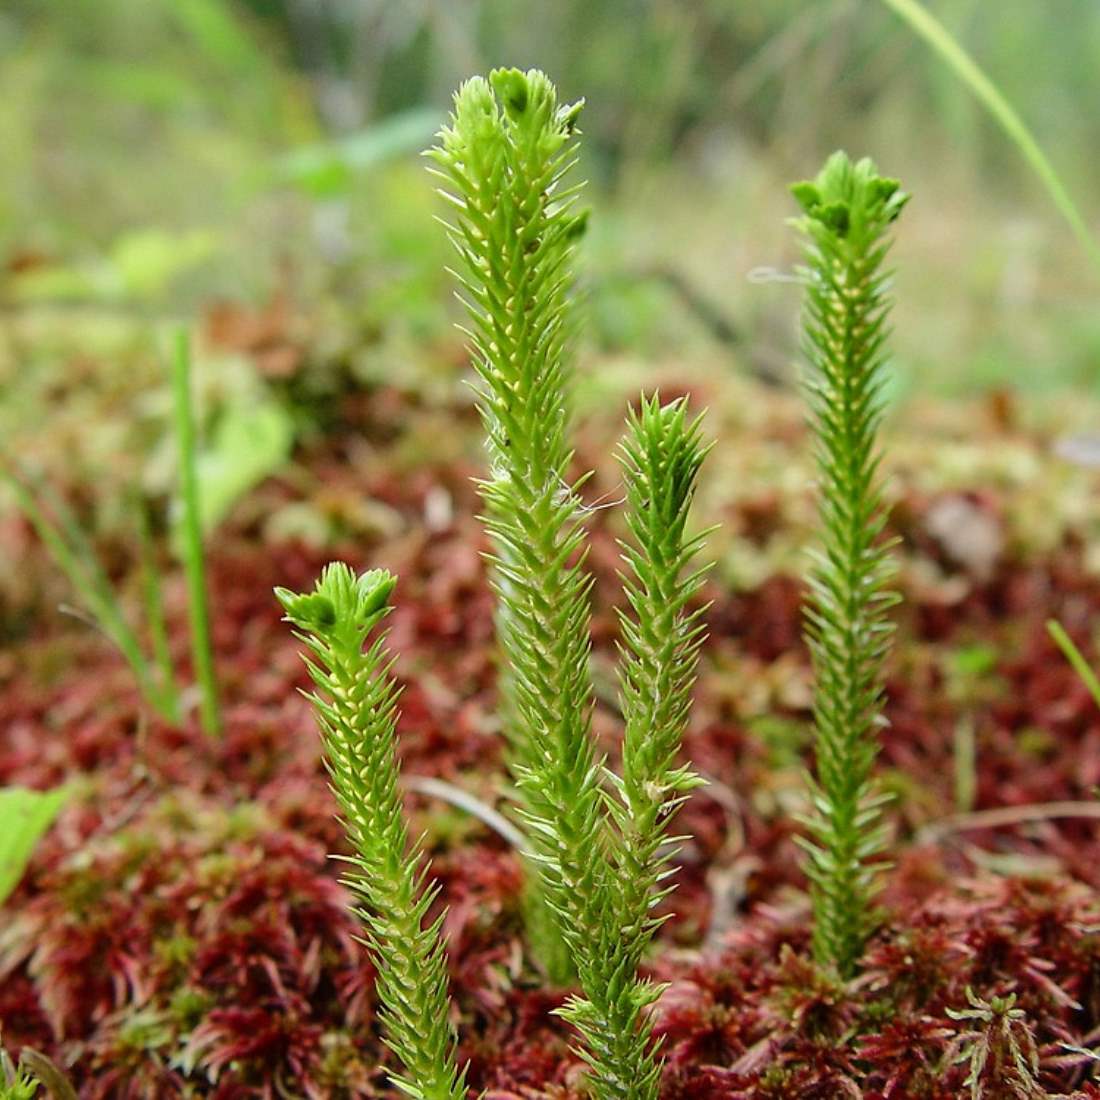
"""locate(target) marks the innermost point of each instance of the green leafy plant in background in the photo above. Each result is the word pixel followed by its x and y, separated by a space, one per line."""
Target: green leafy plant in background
pixel 141 266
pixel 503 160
pixel 72 551
pixel 847 213
pixel 248 443
pixel 328 168
pixel 356 707
pixel 24 816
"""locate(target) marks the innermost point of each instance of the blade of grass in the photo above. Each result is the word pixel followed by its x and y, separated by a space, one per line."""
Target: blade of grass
pixel 943 43
pixel 966 768
pixel 90 585
pixel 158 693
pixel 112 619
pixel 194 567
pixel 152 588
pixel 1074 656
pixel 77 538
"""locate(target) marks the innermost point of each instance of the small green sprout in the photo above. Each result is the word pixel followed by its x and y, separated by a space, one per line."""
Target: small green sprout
pixel 999 1049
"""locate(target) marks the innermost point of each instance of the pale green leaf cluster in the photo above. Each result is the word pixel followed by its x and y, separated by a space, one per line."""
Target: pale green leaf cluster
pixel 596 839
pixel 848 211
pixel 356 708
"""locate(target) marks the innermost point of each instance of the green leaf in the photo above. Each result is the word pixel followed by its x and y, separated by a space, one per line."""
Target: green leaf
pixel 24 816
pixel 190 530
pixel 328 168
pixel 146 262
pixel 215 31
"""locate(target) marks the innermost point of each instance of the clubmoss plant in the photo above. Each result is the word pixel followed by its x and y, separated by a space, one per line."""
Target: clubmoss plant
pixel 847 214
pixel 599 842
pixel 503 160
pixel 356 708
pixel 503 164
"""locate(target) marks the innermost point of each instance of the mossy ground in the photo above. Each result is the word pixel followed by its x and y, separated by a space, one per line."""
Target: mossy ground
pixel 181 931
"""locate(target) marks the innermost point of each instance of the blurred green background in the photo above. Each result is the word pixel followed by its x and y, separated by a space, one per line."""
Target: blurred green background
pixel 161 155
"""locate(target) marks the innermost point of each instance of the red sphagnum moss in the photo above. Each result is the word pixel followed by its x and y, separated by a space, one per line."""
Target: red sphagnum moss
pixel 181 932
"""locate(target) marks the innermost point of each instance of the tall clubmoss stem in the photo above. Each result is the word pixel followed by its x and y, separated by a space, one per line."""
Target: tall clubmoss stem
pixel 503 160
pixel 847 212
